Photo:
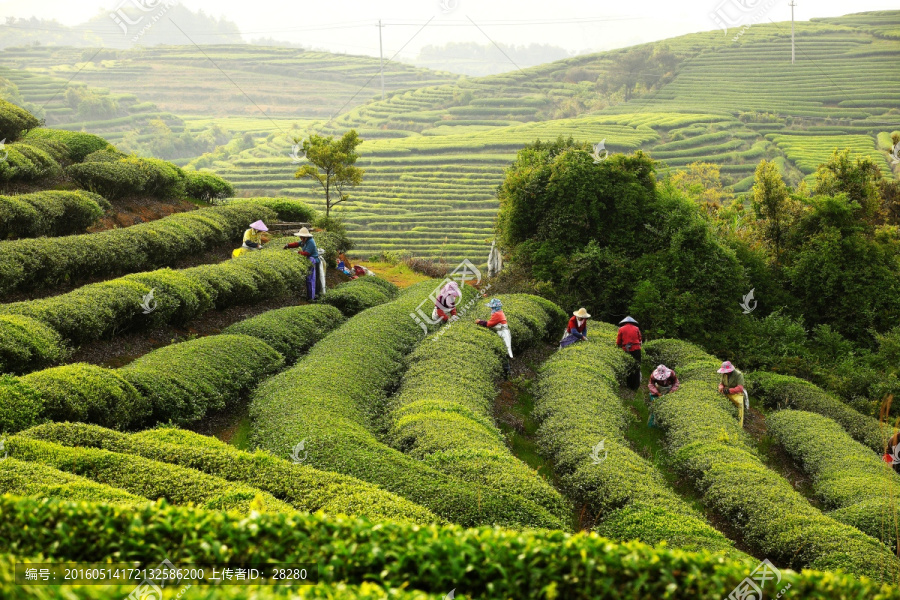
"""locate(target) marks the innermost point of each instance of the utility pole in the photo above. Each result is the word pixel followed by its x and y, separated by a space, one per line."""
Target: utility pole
pixel 792 5
pixel 381 55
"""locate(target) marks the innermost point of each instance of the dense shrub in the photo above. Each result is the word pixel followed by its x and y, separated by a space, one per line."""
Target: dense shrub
pixel 709 447
pixel 578 406
pixel 442 412
pixel 207 187
pixel 291 330
pixel 847 475
pixel 332 397
pixel 782 391
pixel 144 477
pixel 184 382
pixel 88 393
pixel 98 310
pixel 20 405
pixel 40 263
pixel 359 294
pixel 288 209
pixel 49 213
pixel 27 344
pixel 301 486
pixel 77 144
pixel 14 121
pixel 34 479
pixel 129 176
pixel 25 162
pixel 478 563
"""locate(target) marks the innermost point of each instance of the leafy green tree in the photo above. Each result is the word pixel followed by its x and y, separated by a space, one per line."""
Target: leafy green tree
pixel 858 179
pixel 642 65
pixel 773 205
pixel 331 164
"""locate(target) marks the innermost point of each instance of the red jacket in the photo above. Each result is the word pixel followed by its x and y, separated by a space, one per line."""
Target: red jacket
pixel 497 318
pixel 629 334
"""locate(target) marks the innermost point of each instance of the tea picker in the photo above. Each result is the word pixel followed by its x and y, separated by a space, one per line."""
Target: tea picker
pixel 308 249
pixel 498 323
pixel 253 239
pixel 576 330
pixel 629 339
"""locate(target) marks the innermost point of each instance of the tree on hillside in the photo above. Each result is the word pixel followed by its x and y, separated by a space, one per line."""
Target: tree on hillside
pixel 773 205
pixel 858 179
pixel 331 164
pixel 642 65
pixel 702 182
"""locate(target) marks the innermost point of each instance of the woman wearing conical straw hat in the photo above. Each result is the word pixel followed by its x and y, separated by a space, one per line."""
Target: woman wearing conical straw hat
pixel 253 238
pixel 576 330
pixel 629 339
pixel 308 249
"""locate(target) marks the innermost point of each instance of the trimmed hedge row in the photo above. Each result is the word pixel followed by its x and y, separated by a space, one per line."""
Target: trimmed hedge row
pixel 37 480
pixel 206 187
pixel 478 563
pixel 303 487
pixel 784 391
pixel 359 294
pixel 114 175
pixel 77 145
pixel 14 121
pixel 578 406
pixel 180 383
pixel 292 330
pixel 30 264
pixel 27 344
pixel 847 476
pixel 99 310
pixel 333 398
pixel 25 162
pixel 144 477
pixel 49 213
pixel 709 447
pixel 442 412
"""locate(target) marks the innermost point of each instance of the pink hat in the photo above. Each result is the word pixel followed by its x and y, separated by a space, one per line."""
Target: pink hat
pixel 726 367
pixel 259 226
pixel 662 372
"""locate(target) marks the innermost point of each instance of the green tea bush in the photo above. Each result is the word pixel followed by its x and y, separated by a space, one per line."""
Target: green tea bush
pixel 442 412
pixel 99 310
pixel 332 398
pixel 20 405
pixel 49 213
pixel 488 562
pixel 14 121
pixel 42 263
pixel 88 393
pixel 784 391
pixel 303 487
pixel 291 330
pixel 847 476
pixel 143 477
pixel 709 447
pixel 288 209
pixel 25 162
pixel 207 187
pixel 578 406
pixel 184 382
pixel 359 294
pixel 34 479
pixel 128 176
pixel 27 344
pixel 77 144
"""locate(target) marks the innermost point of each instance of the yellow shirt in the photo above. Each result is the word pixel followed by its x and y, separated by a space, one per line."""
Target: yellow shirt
pixel 252 235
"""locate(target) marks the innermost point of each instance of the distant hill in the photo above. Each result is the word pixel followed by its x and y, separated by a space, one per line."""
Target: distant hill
pixel 486 59
pixel 437 146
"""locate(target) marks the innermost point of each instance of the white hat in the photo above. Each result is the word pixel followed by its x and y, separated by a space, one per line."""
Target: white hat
pixel 581 313
pixel 303 233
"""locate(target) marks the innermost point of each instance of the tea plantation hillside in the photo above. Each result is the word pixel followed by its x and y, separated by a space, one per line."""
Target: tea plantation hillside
pixel 435 155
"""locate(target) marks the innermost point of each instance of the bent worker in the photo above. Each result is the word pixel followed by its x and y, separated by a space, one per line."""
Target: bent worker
pixel 892 453
pixel 308 249
pixel 576 330
pixel 732 385
pixel 663 381
pixel 629 339
pixel 253 238
pixel 498 323
pixel 445 303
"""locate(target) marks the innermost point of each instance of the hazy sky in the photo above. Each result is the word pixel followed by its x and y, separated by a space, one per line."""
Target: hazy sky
pixel 349 25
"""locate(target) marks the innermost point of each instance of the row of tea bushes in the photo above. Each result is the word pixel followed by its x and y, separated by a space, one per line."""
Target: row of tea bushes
pixel 180 383
pixel 26 344
pixel 359 294
pixel 847 476
pixel 442 412
pixel 30 264
pixel 303 487
pixel 578 407
pixel 333 400
pixel 144 477
pixel 477 563
pixel 783 391
pixel 49 213
pixel 708 446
